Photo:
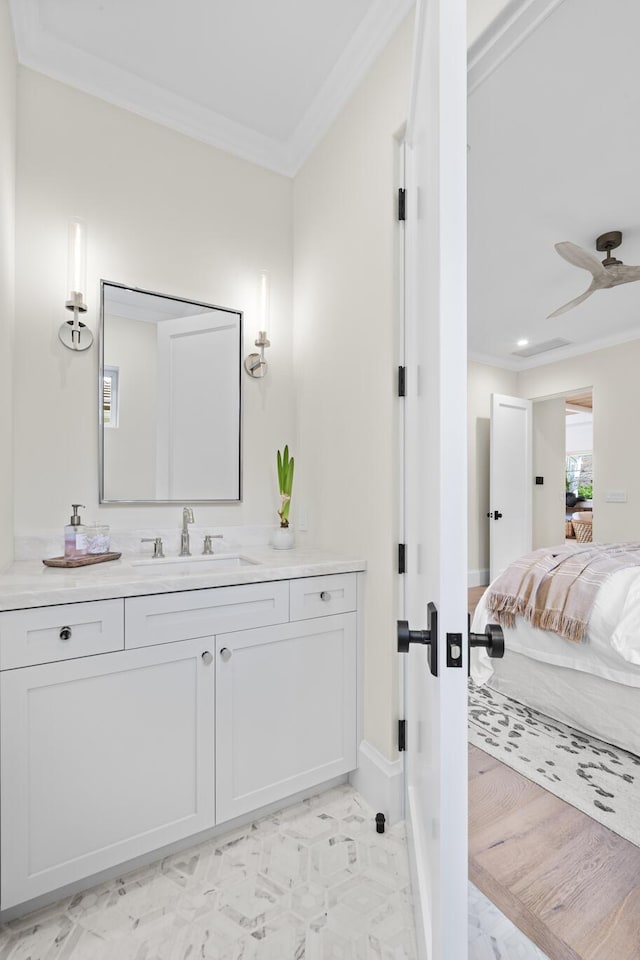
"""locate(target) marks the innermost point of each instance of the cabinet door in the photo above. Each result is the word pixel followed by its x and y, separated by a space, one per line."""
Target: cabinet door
pixel 103 759
pixel 285 710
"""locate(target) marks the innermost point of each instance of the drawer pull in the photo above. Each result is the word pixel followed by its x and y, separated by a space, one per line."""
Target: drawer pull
pixel 65 633
pixel 325 595
pixel 225 653
pixel 207 658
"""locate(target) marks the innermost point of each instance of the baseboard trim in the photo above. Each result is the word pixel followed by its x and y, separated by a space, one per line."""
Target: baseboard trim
pixel 477 578
pixel 380 782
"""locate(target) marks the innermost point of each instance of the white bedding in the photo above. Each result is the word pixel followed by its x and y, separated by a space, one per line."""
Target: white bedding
pixel 610 650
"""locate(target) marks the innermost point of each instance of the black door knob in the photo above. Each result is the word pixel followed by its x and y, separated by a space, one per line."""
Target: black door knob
pixel 492 639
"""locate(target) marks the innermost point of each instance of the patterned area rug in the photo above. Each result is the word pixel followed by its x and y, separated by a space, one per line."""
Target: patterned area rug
pixel 601 780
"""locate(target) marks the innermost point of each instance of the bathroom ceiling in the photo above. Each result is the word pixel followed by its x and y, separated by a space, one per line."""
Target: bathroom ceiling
pixel 554 154
pixel 260 79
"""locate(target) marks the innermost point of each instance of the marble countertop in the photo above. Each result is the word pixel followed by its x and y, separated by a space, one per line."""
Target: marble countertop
pixel 28 583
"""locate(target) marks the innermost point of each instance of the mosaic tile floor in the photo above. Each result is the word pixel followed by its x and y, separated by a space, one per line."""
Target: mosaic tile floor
pixel 312 882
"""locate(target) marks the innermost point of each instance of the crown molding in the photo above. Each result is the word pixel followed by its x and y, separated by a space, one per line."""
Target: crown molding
pixel 562 353
pixel 504 35
pixel 367 43
pixel 44 53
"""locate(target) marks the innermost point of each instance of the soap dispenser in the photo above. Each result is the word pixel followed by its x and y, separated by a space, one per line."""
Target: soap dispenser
pixel 75 535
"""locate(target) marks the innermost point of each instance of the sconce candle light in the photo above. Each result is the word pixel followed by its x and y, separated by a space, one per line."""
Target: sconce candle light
pixel 73 333
pixel 255 364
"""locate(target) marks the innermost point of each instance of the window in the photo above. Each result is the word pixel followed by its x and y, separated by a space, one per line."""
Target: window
pixel 110 396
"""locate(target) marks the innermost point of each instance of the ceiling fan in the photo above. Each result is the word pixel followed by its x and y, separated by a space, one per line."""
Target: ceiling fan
pixel 608 273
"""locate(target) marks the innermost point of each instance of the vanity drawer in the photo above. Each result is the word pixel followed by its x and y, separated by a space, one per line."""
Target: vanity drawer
pixel 46 634
pixel 323 596
pixel 167 617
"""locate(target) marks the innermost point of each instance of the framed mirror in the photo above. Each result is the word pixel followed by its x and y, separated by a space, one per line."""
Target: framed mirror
pixel 170 404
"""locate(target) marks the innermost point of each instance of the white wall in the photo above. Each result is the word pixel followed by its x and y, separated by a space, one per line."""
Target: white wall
pixel 483 380
pixel 346 354
pixel 164 213
pixel 549 457
pixel 7 253
pixel 613 373
pixel 130 448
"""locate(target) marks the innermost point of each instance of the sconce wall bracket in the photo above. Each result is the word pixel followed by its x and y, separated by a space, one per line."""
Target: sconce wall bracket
pixel 76 302
pixel 255 364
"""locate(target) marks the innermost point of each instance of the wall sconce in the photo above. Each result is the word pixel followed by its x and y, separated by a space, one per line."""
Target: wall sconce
pixel 73 333
pixel 255 364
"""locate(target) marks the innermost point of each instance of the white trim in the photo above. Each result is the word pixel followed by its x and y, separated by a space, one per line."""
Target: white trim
pixel 505 34
pixel 43 52
pixel 380 782
pixel 374 32
pixel 420 883
pixel 555 356
pixel 478 578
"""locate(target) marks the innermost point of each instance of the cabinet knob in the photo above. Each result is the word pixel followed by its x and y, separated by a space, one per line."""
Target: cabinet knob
pixel 207 658
pixel 325 595
pixel 225 653
pixel 65 633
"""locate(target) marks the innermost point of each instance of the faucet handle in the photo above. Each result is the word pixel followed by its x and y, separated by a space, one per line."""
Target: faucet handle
pixel 158 552
pixel 207 545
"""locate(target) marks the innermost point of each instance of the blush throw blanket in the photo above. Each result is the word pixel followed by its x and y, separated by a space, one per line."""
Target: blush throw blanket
pixel 555 588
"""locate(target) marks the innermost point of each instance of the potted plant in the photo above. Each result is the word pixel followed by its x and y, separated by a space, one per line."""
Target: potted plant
pixel 585 493
pixel 283 538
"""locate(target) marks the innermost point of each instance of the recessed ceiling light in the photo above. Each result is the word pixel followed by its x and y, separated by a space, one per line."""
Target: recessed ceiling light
pixel 523 343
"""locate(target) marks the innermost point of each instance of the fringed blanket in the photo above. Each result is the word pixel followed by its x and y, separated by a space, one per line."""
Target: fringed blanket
pixel 555 588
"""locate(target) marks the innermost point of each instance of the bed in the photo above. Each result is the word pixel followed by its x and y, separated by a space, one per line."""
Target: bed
pixel 593 685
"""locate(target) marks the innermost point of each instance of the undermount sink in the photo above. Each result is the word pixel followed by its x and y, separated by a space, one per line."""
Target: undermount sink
pixel 198 564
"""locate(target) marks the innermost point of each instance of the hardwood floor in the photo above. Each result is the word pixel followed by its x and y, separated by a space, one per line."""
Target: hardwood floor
pixel 474 594
pixel 570 884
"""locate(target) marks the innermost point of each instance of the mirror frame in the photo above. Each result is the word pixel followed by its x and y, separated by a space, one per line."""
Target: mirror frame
pixel 101 461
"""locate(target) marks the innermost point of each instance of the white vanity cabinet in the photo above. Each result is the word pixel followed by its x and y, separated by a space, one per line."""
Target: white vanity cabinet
pixel 129 724
pixel 285 710
pixel 103 758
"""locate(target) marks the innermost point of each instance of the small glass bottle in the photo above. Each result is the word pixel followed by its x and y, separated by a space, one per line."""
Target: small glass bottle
pixel 75 538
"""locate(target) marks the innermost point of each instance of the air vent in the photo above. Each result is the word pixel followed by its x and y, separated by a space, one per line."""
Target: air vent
pixel 544 347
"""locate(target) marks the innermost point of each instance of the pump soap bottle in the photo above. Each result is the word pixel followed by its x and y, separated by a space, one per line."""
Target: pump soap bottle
pixel 75 535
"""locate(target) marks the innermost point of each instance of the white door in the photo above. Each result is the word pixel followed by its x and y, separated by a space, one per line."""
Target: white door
pixel 510 483
pixel 198 442
pixel 103 758
pixel 436 476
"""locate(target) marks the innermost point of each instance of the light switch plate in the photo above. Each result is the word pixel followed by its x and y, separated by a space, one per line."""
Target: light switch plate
pixel 616 496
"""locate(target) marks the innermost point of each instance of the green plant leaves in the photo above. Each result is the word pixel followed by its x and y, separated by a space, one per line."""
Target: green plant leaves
pixel 285 483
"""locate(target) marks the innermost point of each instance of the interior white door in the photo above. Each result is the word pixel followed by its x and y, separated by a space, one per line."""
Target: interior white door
pixel 197 443
pixel 510 481
pixel 436 475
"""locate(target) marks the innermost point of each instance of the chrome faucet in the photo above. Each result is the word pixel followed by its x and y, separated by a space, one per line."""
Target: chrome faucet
pixel 187 517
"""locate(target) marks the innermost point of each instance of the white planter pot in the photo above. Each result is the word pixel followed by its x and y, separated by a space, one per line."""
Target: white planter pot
pixel 283 538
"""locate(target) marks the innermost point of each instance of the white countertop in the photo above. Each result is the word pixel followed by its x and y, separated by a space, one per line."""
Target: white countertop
pixel 28 583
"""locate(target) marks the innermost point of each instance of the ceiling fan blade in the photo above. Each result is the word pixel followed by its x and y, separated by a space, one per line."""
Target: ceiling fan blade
pixel 575 255
pixel 627 274
pixel 574 303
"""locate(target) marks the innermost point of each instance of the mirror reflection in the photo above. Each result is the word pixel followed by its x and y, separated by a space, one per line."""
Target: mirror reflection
pixel 170 398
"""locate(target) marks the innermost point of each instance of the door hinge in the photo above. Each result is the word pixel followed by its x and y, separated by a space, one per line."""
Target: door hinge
pixel 402 558
pixel 402 735
pixel 402 381
pixel 402 204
